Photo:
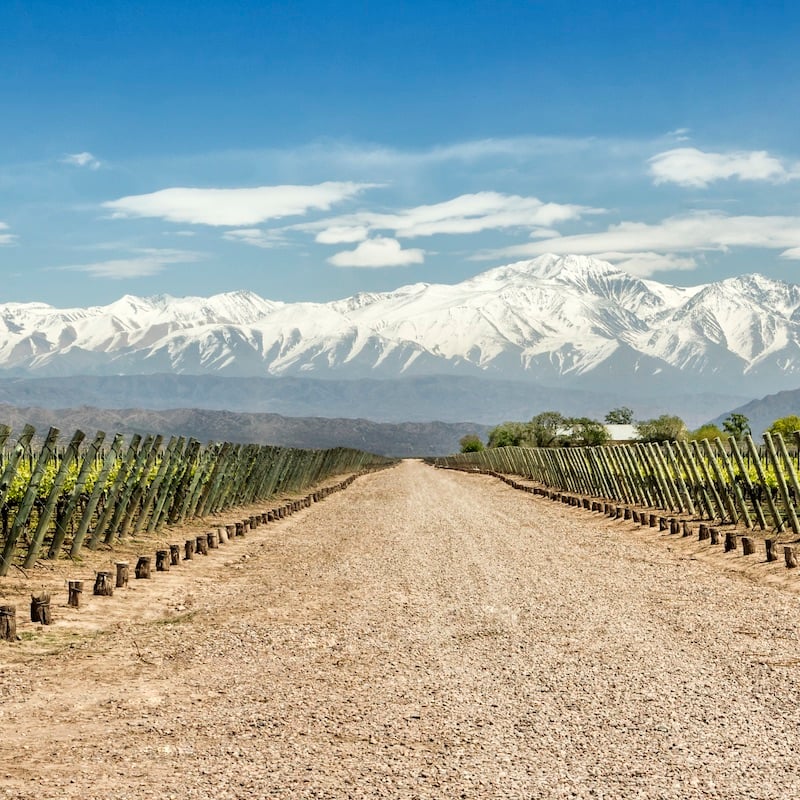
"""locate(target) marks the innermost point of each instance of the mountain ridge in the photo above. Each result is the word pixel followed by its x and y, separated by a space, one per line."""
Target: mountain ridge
pixel 569 321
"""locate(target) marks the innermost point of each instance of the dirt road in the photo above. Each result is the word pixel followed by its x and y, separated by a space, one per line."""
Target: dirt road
pixel 425 634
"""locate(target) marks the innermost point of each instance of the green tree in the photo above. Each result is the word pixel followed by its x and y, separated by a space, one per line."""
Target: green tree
pixel 666 428
pixel 471 443
pixel 585 432
pixel 509 434
pixel 708 431
pixel 736 425
pixel 619 416
pixel 785 426
pixel 545 429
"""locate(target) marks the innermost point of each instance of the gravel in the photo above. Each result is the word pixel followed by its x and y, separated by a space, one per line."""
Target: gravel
pixel 425 634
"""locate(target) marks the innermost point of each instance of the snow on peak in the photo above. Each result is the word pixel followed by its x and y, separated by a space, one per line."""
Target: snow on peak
pixel 544 318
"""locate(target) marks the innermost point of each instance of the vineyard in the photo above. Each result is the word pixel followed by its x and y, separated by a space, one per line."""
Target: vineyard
pixel 714 480
pixel 57 498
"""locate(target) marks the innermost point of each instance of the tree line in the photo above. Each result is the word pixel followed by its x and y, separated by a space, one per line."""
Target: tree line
pixel 553 429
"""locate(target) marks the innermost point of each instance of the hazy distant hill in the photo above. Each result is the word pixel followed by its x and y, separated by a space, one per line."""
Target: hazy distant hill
pixel 407 439
pixel 762 413
pixel 449 398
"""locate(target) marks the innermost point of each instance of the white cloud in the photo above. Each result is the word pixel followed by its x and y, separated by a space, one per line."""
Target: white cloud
pixel 146 262
pixel 688 166
pixel 543 233
pixel 234 207
pixel 357 158
pixel 645 264
pixel 82 160
pixel 679 134
pixel 342 234
pixel 256 237
pixel 6 238
pixel 378 252
pixel 467 213
pixel 685 234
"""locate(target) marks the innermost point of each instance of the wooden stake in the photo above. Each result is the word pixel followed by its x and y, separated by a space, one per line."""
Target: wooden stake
pixel 40 608
pixel 122 574
pixel 202 545
pixel 713 534
pixel 790 555
pixel 75 591
pixel 730 541
pixel 143 567
pixel 103 585
pixel 211 536
pixel 769 544
pixel 188 550
pixel 703 532
pixel 174 554
pixel 748 546
pixel 8 623
pixel 162 560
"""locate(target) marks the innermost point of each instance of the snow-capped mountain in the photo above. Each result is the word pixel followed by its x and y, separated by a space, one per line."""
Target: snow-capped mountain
pixel 554 320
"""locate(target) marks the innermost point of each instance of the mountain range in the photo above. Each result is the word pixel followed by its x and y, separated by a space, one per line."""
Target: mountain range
pixel 402 440
pixel 567 322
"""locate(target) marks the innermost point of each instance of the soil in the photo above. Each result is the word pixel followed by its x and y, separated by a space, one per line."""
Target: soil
pixel 423 634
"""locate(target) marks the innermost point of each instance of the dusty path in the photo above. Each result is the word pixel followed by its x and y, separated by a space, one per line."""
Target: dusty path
pixel 424 634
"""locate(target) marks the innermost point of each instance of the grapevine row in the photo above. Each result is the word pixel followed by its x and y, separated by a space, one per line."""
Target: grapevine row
pixel 712 480
pixel 56 499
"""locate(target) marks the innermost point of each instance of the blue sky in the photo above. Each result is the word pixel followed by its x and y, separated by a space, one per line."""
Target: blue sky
pixel 313 150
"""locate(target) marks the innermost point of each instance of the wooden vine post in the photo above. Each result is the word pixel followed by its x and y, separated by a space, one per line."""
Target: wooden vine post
pixel 69 456
pixel 143 567
pixel 112 492
pixel 783 488
pixel 40 608
pixel 28 499
pixel 8 623
pixel 75 589
pixel 122 574
pixel 64 519
pixel 162 560
pixel 94 497
pixel 103 584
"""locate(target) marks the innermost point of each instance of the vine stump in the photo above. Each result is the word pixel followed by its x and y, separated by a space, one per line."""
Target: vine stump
pixel 122 574
pixel 40 608
pixel 162 560
pixel 143 567
pixel 8 623
pixel 769 544
pixel 103 584
pixel 75 589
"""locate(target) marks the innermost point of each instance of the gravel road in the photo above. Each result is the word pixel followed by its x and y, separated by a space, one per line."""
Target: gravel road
pixel 425 634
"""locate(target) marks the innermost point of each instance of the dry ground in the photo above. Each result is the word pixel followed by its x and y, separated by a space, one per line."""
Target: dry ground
pixel 424 634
